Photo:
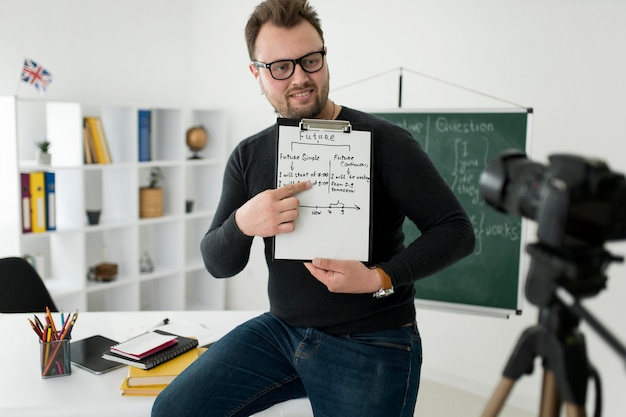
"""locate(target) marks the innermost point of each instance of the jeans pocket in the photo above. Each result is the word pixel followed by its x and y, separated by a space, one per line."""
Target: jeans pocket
pixel 403 338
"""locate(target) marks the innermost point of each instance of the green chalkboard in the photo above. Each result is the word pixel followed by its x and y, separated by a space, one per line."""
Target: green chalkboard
pixel 461 144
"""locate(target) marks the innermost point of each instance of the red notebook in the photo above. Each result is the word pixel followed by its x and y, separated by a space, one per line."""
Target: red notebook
pixel 145 344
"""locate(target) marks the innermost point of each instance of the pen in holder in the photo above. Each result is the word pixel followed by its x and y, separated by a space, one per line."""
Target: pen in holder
pixel 55 358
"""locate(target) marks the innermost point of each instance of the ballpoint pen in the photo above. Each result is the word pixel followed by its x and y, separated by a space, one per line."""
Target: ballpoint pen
pixel 161 323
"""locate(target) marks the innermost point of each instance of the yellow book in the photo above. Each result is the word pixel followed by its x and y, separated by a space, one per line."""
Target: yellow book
pixel 88 144
pixel 163 373
pixel 38 202
pixel 147 390
pixel 101 148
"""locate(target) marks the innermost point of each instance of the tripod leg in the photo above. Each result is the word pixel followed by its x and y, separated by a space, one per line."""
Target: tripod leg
pixel 550 401
pixel 573 410
pixel 499 397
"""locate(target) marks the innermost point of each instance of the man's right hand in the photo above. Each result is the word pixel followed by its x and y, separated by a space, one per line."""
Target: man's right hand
pixel 271 212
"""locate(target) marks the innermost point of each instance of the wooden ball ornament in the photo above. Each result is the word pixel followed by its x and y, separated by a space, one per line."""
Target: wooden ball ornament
pixel 196 139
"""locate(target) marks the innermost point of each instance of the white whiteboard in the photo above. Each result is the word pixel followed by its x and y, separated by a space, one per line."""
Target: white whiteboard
pixel 334 215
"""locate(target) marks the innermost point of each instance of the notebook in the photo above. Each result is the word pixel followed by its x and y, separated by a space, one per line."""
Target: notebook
pixel 145 344
pixel 183 345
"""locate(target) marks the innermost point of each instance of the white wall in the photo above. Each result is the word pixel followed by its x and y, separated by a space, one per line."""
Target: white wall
pixel 564 58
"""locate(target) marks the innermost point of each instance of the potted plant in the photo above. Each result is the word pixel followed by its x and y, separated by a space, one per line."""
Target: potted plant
pixel 44 157
pixel 151 196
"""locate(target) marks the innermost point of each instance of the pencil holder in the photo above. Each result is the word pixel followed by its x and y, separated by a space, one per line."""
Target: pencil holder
pixel 55 358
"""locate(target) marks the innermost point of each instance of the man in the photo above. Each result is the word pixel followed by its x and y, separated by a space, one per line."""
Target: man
pixel 340 332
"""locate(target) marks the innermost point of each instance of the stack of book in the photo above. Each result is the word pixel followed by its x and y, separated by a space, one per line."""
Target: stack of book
pixel 38 201
pixel 154 359
pixel 150 382
pixel 95 143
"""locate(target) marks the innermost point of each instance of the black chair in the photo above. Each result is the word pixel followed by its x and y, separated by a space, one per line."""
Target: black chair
pixel 21 288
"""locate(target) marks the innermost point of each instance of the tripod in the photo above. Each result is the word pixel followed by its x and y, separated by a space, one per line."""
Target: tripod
pixel 556 339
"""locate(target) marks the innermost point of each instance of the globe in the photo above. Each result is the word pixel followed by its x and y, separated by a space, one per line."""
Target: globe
pixel 196 140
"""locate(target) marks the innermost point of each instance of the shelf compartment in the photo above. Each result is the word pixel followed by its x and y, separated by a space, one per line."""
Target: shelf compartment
pixel 165 293
pixel 204 192
pixel 110 189
pixel 173 193
pixel 120 128
pixel 114 298
pixel 161 240
pixel 117 246
pixel 167 135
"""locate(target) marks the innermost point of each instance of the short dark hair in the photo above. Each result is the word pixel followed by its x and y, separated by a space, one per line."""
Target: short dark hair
pixel 281 13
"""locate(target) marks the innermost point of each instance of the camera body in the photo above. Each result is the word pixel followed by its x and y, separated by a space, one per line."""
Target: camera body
pixel 572 199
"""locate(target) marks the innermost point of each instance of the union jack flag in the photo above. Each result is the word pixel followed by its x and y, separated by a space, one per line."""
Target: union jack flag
pixel 36 75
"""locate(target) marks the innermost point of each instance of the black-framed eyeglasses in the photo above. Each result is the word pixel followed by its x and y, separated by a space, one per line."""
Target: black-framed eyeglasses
pixel 284 68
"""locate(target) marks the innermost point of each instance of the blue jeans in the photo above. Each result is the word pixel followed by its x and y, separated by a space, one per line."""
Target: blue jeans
pixel 264 361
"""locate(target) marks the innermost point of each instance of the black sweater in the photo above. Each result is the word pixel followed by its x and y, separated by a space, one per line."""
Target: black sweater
pixel 405 183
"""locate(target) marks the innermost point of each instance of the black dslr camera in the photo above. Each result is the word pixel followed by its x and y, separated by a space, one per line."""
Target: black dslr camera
pixel 578 204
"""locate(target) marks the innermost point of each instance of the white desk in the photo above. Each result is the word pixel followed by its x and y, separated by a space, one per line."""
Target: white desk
pixel 24 393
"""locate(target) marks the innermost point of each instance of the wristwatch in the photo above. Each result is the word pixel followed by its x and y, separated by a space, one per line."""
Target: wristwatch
pixel 386 287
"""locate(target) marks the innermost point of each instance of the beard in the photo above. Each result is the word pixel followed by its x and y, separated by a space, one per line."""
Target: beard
pixel 311 111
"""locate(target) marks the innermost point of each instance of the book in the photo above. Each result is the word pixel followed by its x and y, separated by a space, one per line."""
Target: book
pixel 26 211
pixel 144 139
pixel 38 202
pixel 146 390
pixel 101 147
pixel 145 344
pixel 50 192
pixel 164 373
pixel 88 145
pixel 184 344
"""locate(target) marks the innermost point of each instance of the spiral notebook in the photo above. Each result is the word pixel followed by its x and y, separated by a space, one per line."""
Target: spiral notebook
pixel 180 346
pixel 145 344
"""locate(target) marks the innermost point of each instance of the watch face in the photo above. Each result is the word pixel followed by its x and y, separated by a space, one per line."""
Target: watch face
pixel 383 292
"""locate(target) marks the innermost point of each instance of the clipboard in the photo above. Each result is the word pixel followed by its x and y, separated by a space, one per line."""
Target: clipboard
pixel 334 216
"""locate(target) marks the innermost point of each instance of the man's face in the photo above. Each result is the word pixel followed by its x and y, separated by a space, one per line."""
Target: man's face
pixel 303 95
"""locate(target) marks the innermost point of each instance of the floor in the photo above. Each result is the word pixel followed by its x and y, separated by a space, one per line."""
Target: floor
pixel 439 400
pixel 435 400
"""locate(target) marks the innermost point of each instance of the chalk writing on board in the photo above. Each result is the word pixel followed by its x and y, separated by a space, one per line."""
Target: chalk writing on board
pixel 334 215
pixel 460 144
pixel 470 141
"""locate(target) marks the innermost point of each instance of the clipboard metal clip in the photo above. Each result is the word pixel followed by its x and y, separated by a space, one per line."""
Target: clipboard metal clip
pixel 318 124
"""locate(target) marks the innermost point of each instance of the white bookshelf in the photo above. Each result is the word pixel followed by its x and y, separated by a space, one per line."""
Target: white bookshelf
pixel 179 280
